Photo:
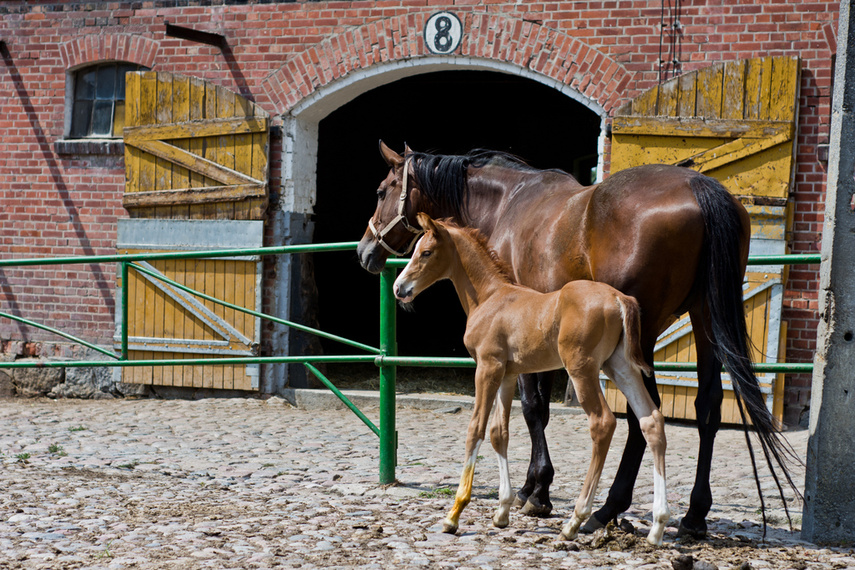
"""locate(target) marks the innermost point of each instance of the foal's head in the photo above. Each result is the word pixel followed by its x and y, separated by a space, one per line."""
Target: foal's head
pixel 431 260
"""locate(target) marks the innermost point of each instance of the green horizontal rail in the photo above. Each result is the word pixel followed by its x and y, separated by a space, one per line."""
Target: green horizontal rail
pixel 291 324
pixel 302 248
pixel 451 362
pixel 344 399
pixel 788 259
pixel 330 359
pixel 60 333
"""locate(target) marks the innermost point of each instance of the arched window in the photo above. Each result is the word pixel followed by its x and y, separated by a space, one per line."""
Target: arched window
pixel 98 108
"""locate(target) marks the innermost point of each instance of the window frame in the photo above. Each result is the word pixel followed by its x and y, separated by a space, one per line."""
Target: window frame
pixel 71 78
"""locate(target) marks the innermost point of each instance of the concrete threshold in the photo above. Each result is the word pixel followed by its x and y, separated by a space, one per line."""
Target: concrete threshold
pixel 312 399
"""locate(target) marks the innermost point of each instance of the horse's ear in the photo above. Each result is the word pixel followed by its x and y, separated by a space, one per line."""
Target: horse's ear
pixel 391 157
pixel 407 149
pixel 425 221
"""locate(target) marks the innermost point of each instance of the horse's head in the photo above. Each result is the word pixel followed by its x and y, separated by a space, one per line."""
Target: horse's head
pixel 430 263
pixel 390 229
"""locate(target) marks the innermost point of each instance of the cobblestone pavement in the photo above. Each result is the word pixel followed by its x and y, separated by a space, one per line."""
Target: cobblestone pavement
pixel 238 483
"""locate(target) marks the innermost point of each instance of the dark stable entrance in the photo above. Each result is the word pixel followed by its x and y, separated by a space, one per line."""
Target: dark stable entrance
pixel 449 112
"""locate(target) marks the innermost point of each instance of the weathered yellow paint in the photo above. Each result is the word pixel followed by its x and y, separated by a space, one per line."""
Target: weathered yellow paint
pixel 734 121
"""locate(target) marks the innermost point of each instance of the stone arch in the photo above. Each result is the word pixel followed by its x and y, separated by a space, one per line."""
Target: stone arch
pixel 527 46
pixel 105 47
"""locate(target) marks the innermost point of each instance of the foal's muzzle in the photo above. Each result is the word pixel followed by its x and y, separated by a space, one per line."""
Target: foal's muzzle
pixel 404 292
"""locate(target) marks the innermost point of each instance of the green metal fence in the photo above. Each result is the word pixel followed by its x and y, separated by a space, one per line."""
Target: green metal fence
pixel 385 356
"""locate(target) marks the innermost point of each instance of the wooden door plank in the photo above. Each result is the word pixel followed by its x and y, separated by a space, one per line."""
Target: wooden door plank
pixel 733 95
pixel 698 127
pixel 669 93
pixel 197 113
pixel 132 119
pixel 230 315
pixel 191 196
pixel 181 114
pixel 709 91
pixel 163 114
pixel 784 98
pixel 646 103
pixel 185 128
pixel 688 95
pixel 243 153
pixel 170 315
pixel 148 97
pixel 226 144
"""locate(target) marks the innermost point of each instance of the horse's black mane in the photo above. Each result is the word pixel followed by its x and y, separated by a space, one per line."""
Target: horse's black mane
pixel 442 177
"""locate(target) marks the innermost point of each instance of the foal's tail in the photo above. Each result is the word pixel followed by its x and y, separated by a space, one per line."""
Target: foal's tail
pixel 631 313
pixel 723 265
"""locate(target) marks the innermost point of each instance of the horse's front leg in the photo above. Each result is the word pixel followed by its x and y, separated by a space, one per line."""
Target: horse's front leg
pixel 601 423
pixel 499 435
pixel 535 392
pixel 488 378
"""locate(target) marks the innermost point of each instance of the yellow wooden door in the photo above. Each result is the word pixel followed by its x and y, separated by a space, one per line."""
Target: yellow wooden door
pixel 193 150
pixel 734 121
pixel 196 161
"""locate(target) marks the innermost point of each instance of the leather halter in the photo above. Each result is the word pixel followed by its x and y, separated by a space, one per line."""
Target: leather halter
pixel 401 217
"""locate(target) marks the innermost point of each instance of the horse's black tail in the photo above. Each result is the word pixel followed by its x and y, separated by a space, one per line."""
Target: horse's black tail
pixel 723 265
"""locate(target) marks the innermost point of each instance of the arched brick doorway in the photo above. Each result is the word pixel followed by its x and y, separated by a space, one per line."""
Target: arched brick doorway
pixel 316 83
pixel 448 112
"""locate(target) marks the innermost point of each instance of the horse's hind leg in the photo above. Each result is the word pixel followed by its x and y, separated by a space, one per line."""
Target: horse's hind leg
pixel 708 411
pixel 652 423
pixel 601 423
pixel 535 392
pixel 499 434
pixel 620 494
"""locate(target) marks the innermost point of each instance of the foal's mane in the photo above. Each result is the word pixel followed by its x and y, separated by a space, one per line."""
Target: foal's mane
pixel 480 241
pixel 442 177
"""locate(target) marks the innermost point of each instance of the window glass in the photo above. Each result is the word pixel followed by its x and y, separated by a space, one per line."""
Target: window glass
pixel 99 95
pixel 106 82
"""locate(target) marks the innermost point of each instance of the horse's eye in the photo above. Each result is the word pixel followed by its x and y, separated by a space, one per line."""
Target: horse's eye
pixel 381 194
pixel 426 253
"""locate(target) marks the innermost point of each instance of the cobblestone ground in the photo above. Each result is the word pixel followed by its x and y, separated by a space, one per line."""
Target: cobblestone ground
pixel 252 484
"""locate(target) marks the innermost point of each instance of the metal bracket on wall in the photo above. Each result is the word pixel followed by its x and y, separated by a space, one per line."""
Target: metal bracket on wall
pixel 198 36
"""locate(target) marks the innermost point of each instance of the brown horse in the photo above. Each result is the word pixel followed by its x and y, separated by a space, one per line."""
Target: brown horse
pixel 670 237
pixel 510 329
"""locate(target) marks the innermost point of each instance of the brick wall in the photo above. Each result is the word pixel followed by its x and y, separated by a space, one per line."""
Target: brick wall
pixel 68 204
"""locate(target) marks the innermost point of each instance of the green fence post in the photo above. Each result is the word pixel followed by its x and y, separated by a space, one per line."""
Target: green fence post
pixel 388 347
pixel 125 288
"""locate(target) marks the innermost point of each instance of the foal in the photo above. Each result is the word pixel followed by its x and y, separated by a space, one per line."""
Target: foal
pixel 511 330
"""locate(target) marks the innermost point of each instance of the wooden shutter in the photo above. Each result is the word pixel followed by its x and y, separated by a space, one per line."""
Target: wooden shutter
pixel 193 149
pixel 165 322
pixel 196 178
pixel 734 121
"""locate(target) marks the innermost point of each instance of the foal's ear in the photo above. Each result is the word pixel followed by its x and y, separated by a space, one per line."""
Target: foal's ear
pixel 391 157
pixel 426 222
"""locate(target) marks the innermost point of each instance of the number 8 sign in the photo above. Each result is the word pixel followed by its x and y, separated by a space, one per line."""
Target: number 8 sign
pixel 443 32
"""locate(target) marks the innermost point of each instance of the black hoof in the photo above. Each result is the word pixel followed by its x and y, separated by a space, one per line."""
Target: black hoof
pixel 696 530
pixel 591 525
pixel 533 508
pixel 519 501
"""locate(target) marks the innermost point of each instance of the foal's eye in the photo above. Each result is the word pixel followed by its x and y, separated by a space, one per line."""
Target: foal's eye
pixel 426 253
